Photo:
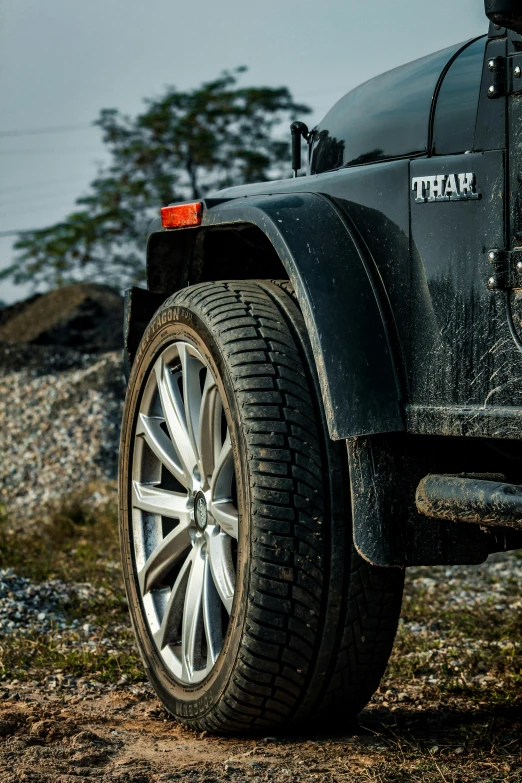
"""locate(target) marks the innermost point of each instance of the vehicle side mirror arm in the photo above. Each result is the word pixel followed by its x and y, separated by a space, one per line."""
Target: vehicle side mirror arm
pixel 505 13
pixel 298 129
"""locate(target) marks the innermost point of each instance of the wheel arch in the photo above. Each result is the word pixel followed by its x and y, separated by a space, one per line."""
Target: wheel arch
pixel 304 238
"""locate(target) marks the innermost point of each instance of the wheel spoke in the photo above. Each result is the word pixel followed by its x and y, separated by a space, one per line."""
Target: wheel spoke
pixel 149 427
pixel 209 428
pixel 221 484
pixel 222 567
pixel 160 501
pixel 221 506
pixel 190 369
pixel 170 629
pixel 174 412
pixel 226 516
pixel 164 557
pixel 192 626
pixel 211 616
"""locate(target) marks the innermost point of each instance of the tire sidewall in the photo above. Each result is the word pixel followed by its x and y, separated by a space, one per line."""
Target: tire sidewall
pixel 172 323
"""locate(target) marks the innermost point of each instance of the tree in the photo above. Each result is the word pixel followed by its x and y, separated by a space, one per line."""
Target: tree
pixel 185 144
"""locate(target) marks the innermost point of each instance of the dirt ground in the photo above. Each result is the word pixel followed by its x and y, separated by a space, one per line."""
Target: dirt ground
pixel 127 737
pixel 75 705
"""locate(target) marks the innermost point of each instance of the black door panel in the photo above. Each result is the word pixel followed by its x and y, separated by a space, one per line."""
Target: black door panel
pixel 463 351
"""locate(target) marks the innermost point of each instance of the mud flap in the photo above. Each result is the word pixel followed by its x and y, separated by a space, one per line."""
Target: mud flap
pixel 139 307
pixel 388 530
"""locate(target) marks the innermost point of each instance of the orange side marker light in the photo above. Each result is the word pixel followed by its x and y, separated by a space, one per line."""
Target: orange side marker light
pixel 180 215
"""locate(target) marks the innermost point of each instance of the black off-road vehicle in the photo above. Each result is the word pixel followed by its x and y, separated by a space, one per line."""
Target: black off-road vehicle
pixel 326 387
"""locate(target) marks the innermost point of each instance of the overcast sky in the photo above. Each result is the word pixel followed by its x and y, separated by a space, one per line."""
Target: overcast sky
pixel 61 61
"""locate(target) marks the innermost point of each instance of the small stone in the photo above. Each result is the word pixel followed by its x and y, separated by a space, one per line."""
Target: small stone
pixel 266 740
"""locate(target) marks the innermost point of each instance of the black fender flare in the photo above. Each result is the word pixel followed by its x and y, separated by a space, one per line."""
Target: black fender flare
pixel 337 290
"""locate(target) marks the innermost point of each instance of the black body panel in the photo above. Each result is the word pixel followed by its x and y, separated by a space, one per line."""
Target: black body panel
pixel 463 351
pixel 457 102
pixel 339 294
pixel 387 117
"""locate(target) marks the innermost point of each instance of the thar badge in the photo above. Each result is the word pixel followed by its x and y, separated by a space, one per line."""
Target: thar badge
pixel 445 187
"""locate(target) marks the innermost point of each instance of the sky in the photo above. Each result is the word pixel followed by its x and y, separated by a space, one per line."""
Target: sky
pixel 61 61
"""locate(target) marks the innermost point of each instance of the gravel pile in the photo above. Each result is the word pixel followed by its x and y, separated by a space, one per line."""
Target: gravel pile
pixel 60 412
pixel 85 316
pixel 27 606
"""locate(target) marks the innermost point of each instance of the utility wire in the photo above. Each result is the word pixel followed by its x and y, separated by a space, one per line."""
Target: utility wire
pixel 30 198
pixel 44 151
pixel 16 233
pixel 51 129
pixel 32 186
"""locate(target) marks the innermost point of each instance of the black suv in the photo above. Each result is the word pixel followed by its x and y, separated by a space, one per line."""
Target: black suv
pixel 325 387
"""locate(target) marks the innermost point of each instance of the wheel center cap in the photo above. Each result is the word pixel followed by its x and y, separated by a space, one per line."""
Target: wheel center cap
pixel 200 512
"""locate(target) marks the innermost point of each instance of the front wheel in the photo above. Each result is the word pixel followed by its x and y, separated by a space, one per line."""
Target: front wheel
pixel 251 608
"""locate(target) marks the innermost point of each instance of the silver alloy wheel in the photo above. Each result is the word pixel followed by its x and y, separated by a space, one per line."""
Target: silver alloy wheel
pixel 184 513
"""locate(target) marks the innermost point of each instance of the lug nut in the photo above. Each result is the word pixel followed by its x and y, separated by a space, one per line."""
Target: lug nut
pixel 518 71
pixel 492 283
pixel 491 65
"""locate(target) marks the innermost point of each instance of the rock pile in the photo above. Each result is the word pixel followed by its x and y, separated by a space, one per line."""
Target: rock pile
pixel 85 316
pixel 61 395
pixel 60 430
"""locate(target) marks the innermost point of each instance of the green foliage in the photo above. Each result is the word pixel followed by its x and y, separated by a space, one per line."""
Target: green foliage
pixel 183 145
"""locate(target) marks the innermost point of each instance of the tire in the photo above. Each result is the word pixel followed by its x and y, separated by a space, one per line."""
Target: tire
pixel 291 625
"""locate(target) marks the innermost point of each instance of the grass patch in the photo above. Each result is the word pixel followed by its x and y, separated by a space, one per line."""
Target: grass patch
pixel 460 642
pixel 35 656
pixel 74 543
pixel 477 674
pixel 483 621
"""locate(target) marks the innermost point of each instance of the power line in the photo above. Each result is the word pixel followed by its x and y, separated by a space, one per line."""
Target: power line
pixel 58 204
pixel 39 184
pixel 43 151
pixel 17 233
pixel 29 197
pixel 50 129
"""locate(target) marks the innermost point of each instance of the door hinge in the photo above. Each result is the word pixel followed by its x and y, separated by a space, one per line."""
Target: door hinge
pixel 506 76
pixel 497 68
pixel 506 272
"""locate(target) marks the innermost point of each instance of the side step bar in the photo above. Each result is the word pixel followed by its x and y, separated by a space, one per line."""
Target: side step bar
pixel 460 499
